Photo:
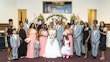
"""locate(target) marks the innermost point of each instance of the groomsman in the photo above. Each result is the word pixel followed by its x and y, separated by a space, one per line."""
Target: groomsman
pixel 82 46
pixel 40 25
pixel 95 40
pixel 56 24
pixel 77 35
pixel 26 25
pixel 72 23
pixel 60 30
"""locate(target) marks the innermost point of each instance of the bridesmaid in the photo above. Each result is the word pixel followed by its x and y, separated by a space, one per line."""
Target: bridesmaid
pixel 69 32
pixel 23 45
pixel 103 32
pixel 33 35
pixel 86 38
pixel 43 39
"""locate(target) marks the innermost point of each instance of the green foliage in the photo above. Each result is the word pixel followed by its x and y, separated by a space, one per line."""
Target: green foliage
pixel 40 18
pixel 73 17
pixel 57 15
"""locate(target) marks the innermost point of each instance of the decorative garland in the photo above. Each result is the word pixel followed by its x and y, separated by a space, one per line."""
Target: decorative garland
pixel 72 18
pixel 57 15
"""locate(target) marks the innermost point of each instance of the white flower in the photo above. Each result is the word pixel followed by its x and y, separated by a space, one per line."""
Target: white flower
pixel 64 33
pixel 27 40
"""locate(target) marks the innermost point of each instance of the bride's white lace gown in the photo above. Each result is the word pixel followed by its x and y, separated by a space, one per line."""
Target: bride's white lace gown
pixel 52 49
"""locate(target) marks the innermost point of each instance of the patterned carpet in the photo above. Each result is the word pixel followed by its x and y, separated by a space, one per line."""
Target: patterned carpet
pixel 3 58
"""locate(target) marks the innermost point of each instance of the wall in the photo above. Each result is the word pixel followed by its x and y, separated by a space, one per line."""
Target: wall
pixel 80 7
pixel 104 11
pixel 8 10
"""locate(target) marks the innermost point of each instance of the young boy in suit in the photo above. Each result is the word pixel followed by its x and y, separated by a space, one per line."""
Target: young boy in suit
pixel 15 43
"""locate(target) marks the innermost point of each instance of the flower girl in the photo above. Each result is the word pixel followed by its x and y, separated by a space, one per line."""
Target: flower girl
pixel 65 50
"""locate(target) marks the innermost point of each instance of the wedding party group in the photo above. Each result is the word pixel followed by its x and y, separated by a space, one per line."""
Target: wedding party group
pixel 56 40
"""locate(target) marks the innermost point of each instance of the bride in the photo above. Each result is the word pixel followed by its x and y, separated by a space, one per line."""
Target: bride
pixel 52 49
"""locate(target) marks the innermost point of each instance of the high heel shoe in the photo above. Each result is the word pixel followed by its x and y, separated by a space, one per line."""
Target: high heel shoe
pixel 85 57
pixel 102 58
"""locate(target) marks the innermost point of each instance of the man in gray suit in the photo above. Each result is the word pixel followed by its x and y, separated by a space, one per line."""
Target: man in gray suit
pixel 56 24
pixel 26 26
pixel 15 43
pixel 60 30
pixel 77 35
pixel 95 40
pixel 82 46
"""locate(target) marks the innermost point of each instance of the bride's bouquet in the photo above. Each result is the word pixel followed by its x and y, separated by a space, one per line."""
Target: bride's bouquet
pixel 27 40
pixel 51 40
pixel 52 36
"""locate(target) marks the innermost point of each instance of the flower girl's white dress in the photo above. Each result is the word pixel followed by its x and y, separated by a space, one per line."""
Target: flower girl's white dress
pixel 65 50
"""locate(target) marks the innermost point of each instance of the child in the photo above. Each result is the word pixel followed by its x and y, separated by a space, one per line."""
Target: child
pixel 65 50
pixel 36 48
pixel 95 40
pixel 15 43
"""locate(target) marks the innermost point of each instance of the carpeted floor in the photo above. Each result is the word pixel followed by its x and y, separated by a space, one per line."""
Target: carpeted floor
pixel 3 58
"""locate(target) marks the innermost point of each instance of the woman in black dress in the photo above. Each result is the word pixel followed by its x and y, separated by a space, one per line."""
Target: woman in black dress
pixel 23 45
pixel 8 33
pixel 103 32
pixel 86 38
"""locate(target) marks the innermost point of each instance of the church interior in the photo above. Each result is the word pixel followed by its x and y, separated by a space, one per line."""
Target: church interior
pixel 49 10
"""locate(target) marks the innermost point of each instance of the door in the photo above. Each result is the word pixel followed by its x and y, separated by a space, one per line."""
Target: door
pixel 92 15
pixel 22 14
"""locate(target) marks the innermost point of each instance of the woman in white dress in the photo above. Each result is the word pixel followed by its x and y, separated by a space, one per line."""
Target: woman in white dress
pixel 52 49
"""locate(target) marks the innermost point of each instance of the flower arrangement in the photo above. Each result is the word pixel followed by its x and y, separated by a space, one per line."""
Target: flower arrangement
pixel 57 15
pixel 40 17
pixel 73 17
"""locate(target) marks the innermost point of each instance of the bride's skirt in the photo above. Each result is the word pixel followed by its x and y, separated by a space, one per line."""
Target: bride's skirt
pixel 52 50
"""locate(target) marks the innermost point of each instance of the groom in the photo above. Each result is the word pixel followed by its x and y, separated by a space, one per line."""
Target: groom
pixel 60 30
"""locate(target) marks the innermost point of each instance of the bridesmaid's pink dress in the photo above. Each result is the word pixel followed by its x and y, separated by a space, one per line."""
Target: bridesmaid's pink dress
pixel 30 46
pixel 43 40
pixel 70 39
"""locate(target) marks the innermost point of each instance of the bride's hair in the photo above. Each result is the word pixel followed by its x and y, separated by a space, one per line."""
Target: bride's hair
pixel 51 24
